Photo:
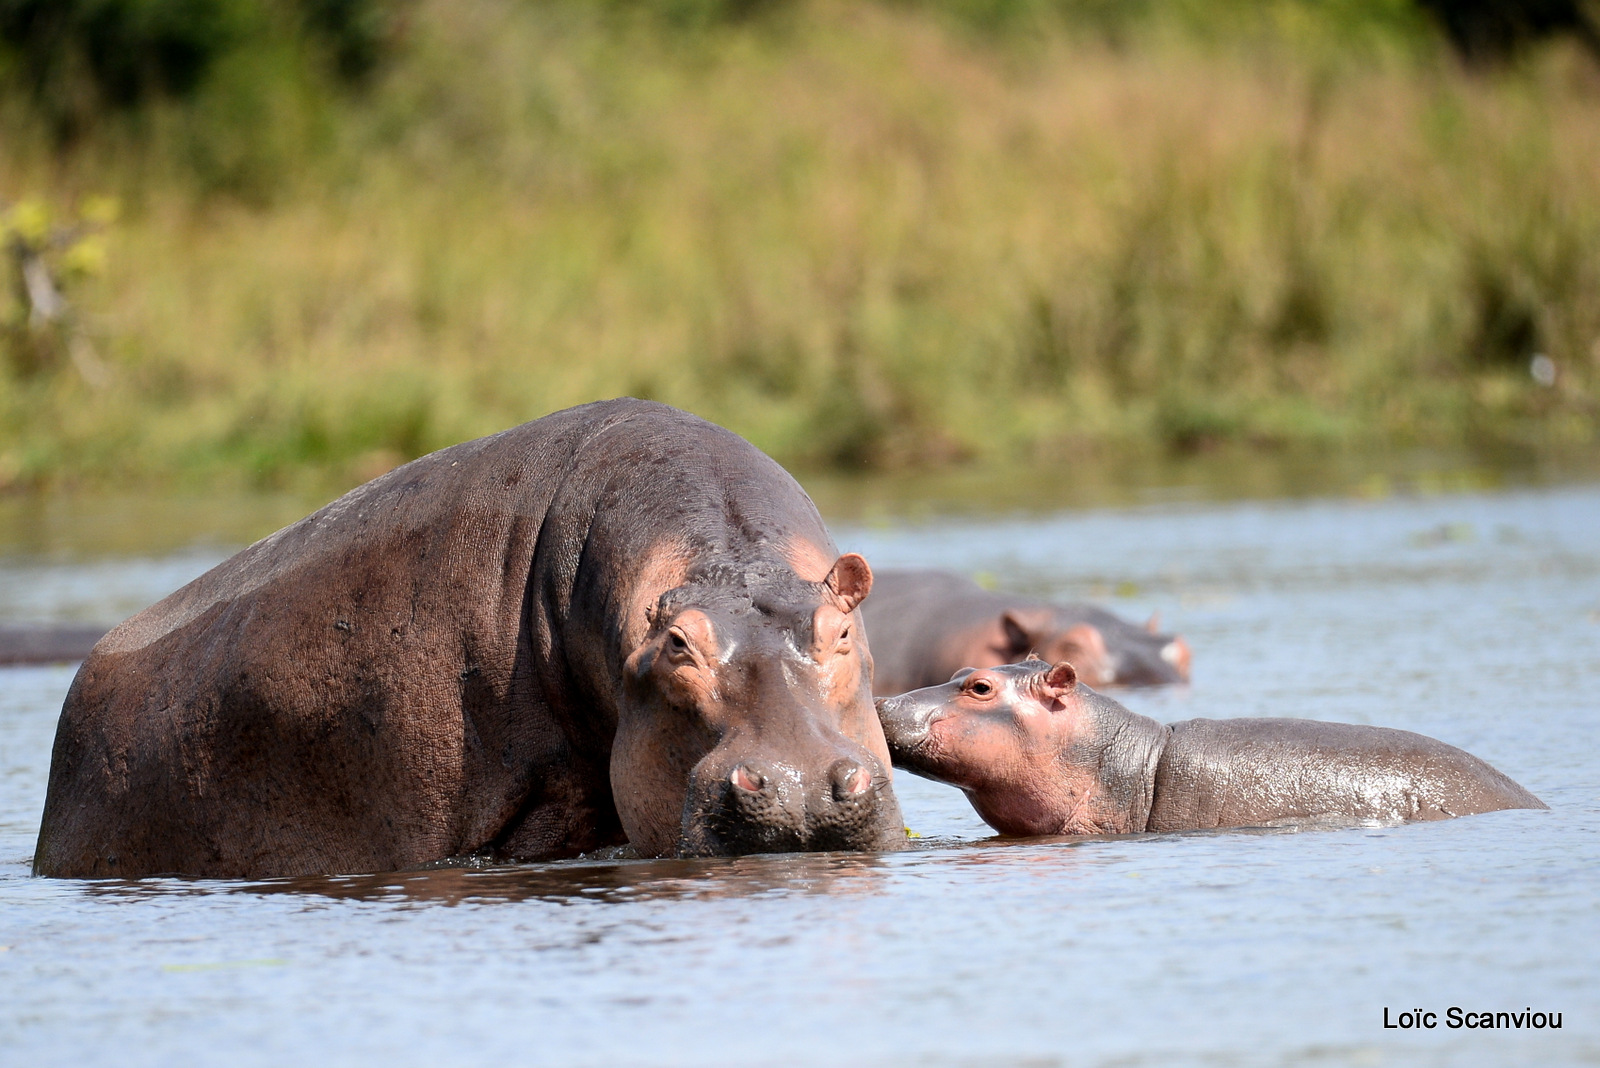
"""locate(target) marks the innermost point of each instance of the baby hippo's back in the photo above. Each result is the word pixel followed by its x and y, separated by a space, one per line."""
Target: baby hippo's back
pixel 1237 772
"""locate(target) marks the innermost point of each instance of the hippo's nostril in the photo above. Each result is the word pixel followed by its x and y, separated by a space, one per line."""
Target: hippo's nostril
pixel 850 780
pixel 748 779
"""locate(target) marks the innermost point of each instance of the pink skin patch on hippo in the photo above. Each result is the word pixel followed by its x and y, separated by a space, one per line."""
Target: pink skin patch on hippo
pixel 664 568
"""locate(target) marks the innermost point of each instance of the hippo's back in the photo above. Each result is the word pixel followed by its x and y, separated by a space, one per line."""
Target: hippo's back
pixel 1237 772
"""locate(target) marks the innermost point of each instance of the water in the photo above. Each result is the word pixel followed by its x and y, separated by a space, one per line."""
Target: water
pixel 1473 618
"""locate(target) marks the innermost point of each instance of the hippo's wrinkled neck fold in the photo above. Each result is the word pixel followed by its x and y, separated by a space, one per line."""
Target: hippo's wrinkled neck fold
pixel 1127 753
pixel 1146 772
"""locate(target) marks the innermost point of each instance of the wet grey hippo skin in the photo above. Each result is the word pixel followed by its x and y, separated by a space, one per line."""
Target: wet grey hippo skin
pixel 60 643
pixel 927 624
pixel 1038 753
pixel 616 623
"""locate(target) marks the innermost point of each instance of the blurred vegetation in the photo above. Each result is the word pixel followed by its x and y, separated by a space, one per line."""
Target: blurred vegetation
pixel 895 234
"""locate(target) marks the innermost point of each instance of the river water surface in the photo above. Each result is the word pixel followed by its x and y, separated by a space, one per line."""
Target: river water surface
pixel 1472 618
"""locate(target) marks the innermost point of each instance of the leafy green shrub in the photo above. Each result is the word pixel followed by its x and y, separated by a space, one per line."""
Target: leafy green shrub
pixel 79 59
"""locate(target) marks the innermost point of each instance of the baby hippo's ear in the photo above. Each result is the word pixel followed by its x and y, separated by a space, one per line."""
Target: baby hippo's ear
pixel 1060 680
pixel 850 581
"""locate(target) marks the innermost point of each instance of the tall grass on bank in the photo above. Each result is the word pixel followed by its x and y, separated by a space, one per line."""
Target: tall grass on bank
pixel 857 233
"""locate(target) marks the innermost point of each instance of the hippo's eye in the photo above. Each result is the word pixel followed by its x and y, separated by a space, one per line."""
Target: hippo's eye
pixel 980 688
pixel 677 644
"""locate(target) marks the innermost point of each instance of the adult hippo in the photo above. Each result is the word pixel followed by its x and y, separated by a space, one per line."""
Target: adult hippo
pixel 615 624
pixel 927 624
pixel 1039 754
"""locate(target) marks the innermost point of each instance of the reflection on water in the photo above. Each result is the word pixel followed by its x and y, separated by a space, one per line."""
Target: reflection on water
pixel 608 881
pixel 670 879
pixel 1472 618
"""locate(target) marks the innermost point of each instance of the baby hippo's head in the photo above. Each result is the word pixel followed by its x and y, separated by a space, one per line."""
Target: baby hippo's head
pixel 1036 752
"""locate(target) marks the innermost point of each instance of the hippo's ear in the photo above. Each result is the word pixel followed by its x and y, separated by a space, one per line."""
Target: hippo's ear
pixel 1153 624
pixel 1060 680
pixel 850 581
pixel 1024 630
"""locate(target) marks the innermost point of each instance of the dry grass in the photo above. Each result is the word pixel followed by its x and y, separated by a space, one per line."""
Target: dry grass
pixel 855 234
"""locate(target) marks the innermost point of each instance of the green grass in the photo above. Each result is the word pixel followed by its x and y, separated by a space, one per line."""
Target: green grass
pixel 862 234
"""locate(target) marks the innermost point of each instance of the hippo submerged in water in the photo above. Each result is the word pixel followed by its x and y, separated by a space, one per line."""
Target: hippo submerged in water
pixel 927 624
pixel 615 624
pixel 46 643
pixel 1038 754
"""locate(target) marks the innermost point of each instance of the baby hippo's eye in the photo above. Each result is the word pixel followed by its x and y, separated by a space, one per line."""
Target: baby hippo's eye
pixel 980 688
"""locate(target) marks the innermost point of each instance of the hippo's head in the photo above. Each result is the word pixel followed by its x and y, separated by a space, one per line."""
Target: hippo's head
pixel 748 724
pixel 1105 650
pixel 1034 751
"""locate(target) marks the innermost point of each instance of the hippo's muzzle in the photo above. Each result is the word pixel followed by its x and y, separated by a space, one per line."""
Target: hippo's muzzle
pixel 906 720
pixel 764 805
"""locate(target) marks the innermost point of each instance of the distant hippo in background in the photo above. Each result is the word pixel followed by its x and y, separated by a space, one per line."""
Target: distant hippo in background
pixel 47 643
pixel 1039 754
pixel 618 623
pixel 925 625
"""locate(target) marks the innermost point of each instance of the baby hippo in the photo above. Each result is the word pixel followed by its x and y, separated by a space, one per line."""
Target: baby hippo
pixel 1038 754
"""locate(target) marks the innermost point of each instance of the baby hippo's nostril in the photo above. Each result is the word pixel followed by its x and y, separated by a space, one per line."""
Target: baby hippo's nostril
pixel 851 781
pixel 748 779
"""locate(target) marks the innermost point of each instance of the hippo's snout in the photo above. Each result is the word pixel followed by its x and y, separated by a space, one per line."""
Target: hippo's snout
pixel 906 720
pixel 771 806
